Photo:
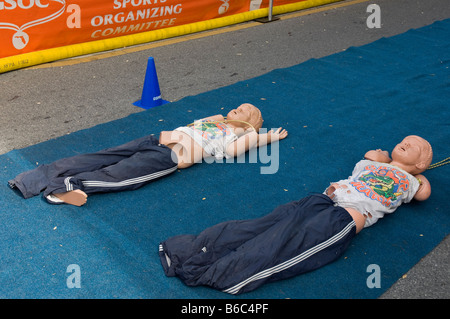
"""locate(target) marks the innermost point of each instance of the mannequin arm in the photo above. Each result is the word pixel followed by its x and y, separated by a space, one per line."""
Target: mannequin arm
pixel 424 190
pixel 378 156
pixel 271 136
pixel 243 144
pixel 252 139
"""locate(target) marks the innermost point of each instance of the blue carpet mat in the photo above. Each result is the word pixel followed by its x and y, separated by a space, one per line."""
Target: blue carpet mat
pixel 335 109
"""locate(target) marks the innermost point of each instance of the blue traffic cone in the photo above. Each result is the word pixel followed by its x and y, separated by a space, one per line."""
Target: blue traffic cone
pixel 151 94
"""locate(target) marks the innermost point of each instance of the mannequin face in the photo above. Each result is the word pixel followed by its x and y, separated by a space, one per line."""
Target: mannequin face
pixel 245 112
pixel 413 151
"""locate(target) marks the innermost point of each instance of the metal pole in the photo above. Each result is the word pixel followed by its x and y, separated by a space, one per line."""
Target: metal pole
pixel 270 17
pixel 270 10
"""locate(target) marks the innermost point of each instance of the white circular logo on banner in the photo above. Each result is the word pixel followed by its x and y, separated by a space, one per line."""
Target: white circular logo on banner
pixel 224 7
pixel 20 39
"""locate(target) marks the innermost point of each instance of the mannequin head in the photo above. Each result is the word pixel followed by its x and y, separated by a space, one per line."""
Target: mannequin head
pixel 414 154
pixel 248 113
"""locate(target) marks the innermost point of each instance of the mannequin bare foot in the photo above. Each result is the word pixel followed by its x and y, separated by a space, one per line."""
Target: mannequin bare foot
pixel 76 197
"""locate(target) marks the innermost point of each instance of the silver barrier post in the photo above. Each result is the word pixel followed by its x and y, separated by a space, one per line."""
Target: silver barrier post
pixel 270 9
pixel 270 17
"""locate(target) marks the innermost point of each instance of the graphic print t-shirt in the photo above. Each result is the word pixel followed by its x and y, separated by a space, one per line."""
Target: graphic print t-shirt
pixel 375 189
pixel 213 136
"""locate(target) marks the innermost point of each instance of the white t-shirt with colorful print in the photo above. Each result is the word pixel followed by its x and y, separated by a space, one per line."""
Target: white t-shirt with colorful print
pixel 213 136
pixel 375 189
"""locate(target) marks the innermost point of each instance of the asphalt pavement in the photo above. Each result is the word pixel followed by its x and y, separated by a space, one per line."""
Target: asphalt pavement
pixel 51 100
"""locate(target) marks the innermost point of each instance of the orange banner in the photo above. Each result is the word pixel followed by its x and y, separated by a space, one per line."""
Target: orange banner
pixel 31 25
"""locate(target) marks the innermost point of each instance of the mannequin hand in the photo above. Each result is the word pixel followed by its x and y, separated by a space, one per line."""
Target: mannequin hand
pixel 277 135
pixel 271 136
pixel 378 156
